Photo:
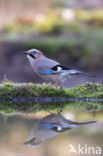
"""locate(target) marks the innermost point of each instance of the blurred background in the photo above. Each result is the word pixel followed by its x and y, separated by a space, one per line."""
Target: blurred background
pixel 68 31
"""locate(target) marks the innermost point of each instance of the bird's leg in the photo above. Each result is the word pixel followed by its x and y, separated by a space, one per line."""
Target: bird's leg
pixel 57 84
pixel 53 83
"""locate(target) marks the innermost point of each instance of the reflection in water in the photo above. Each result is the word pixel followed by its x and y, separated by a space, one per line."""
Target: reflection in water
pixel 15 129
pixel 50 126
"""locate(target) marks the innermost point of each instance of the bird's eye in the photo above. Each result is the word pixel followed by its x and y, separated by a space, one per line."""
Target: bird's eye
pixel 32 56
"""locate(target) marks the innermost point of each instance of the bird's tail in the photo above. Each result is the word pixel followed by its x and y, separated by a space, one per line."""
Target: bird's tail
pixel 88 74
pixel 85 123
pixel 71 125
pixel 77 72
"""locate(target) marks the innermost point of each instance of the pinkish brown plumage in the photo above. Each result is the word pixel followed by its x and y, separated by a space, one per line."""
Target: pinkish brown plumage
pixel 48 69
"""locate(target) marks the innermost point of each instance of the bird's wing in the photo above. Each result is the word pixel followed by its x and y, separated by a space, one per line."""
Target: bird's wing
pixel 48 125
pixel 55 69
pixel 64 127
pixel 50 121
pixel 56 127
pixel 44 64
pixel 47 66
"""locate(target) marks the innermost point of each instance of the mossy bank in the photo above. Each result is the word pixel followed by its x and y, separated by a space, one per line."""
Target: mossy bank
pixel 35 97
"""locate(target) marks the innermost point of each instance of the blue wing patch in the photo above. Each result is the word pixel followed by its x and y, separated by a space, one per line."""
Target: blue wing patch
pixel 55 70
pixel 47 125
pixel 46 72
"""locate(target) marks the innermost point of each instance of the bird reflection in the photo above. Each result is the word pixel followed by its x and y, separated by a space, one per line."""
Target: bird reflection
pixel 50 126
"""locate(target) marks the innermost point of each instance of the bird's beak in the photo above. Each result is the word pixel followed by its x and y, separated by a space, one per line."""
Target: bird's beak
pixel 26 52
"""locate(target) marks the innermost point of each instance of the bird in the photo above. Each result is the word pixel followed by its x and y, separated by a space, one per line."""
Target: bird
pixel 50 126
pixel 50 70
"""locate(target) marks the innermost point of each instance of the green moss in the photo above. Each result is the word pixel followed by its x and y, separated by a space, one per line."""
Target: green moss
pixel 10 92
pixel 31 107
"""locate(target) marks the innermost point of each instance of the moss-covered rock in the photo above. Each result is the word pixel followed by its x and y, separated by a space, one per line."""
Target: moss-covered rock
pixel 12 90
pixel 35 97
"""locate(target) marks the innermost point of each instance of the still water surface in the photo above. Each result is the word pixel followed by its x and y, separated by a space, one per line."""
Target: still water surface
pixel 16 128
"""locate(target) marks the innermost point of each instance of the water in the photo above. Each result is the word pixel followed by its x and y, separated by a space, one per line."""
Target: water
pixel 50 99
pixel 15 129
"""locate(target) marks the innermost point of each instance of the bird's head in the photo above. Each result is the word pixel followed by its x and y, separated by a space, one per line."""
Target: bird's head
pixel 33 55
pixel 34 142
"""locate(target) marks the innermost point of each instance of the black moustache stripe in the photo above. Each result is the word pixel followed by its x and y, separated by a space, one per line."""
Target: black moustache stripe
pixel 32 56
